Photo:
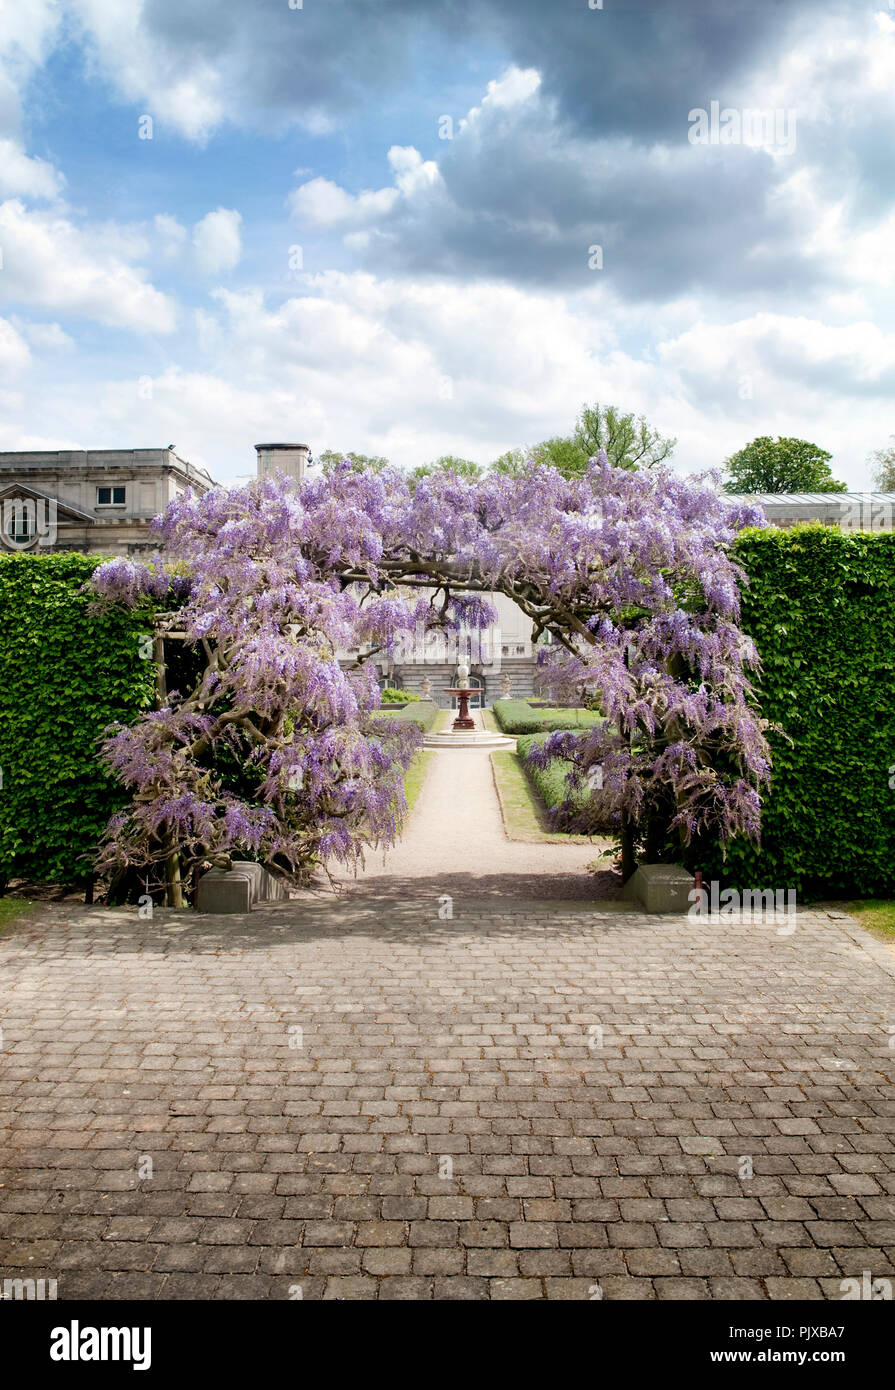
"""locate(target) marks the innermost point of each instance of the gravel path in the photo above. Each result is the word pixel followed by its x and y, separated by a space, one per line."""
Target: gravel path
pixel 455 843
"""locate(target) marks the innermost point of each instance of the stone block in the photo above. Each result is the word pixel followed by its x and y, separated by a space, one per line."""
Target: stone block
pixel 660 888
pixel 226 890
pixel 238 889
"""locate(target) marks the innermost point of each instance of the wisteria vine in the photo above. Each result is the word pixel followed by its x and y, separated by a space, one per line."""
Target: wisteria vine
pixel 275 751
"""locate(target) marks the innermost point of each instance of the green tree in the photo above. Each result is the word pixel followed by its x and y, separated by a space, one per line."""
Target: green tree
pixel 629 441
pixel 330 458
pixel 563 454
pixel 883 461
pixel 513 463
pixel 780 465
pixel 448 463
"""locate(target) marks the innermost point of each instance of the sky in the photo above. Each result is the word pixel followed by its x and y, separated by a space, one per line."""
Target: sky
pixel 417 227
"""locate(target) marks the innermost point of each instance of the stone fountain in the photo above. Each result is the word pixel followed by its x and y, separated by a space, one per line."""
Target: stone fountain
pixel 464 722
pixel 463 733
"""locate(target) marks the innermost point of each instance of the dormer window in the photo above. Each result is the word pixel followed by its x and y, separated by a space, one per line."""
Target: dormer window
pixel 110 496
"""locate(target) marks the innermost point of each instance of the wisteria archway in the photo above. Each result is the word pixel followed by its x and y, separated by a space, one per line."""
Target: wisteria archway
pixel 272 750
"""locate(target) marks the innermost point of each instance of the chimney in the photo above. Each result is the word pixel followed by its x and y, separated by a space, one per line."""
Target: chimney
pixel 291 459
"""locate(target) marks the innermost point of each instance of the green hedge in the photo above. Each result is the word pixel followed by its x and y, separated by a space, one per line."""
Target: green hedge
pixel 421 712
pixel 65 673
pixel 553 789
pixel 519 717
pixel 821 608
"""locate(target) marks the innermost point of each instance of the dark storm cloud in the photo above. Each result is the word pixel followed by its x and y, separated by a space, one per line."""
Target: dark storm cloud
pixel 599 157
pixel 627 68
pixel 524 200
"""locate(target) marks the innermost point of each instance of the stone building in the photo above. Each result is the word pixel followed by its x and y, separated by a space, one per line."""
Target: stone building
pixel 98 501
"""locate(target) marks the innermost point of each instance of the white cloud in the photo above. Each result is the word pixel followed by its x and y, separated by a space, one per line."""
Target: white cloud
pixel 412 370
pixel 170 233
pixel 771 347
pixel 413 174
pixel 27 34
pixel 14 354
pixel 46 335
pixel 217 240
pixel 182 89
pixel 51 262
pixel 21 174
pixel 322 203
pixel 512 88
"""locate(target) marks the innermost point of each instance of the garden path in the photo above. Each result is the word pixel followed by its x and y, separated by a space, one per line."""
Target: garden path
pixel 455 843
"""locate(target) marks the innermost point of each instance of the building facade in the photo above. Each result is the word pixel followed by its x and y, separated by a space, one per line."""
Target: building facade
pixel 98 501
pixel 850 511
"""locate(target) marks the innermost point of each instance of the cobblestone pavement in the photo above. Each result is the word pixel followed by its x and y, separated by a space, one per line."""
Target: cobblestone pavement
pixel 522 1104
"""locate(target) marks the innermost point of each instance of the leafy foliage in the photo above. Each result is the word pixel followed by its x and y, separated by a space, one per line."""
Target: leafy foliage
pixel 448 463
pixel 331 459
pixel 820 606
pixel 627 441
pixel 422 713
pixel 570 808
pixel 781 465
pixel 66 672
pixel 519 717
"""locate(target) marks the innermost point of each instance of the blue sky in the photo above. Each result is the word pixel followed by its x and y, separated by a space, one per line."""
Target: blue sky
pixel 446 170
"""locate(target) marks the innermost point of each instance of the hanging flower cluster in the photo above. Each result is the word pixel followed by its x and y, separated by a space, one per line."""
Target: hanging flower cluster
pixel 275 750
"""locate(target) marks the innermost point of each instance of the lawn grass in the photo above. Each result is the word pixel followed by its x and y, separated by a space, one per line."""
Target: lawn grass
pixel 416 776
pixel 11 908
pixel 524 814
pixel 876 914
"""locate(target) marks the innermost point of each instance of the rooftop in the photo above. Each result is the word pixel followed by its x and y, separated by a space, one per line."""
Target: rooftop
pixel 810 499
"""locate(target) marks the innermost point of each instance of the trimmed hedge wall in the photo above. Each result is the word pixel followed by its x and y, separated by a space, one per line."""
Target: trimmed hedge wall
pixel 821 608
pixel 519 717
pixel 65 673
pixel 583 818
pixel 421 712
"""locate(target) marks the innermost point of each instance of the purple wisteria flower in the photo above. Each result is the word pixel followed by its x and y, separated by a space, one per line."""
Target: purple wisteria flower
pixel 274 750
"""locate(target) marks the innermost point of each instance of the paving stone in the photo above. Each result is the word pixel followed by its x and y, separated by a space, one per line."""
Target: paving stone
pixel 429 1052
pixel 387 1260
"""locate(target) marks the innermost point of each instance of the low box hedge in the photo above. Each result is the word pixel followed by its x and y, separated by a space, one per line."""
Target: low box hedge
pixel 519 717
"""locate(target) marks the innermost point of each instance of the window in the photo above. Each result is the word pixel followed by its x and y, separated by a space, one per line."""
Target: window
pixel 110 496
pixel 18 527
